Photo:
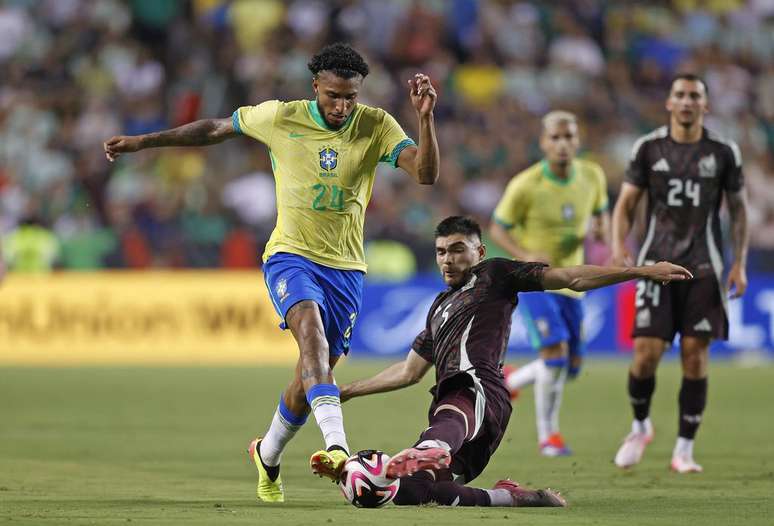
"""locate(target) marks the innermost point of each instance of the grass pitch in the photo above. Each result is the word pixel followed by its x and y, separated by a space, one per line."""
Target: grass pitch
pixel 166 446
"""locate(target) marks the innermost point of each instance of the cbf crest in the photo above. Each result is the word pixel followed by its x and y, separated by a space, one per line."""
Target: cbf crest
pixel 568 212
pixel 329 159
pixel 282 289
pixel 707 166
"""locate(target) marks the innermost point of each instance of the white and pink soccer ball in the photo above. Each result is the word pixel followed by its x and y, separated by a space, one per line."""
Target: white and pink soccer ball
pixel 363 481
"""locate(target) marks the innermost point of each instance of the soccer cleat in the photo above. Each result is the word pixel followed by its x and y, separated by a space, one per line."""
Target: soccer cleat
pixel 328 463
pixel 630 452
pixel 554 447
pixel 268 490
pixel 523 497
pixel 411 460
pixel 685 464
pixel 507 371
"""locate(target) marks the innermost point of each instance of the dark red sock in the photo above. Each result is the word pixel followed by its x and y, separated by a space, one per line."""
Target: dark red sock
pixel 421 489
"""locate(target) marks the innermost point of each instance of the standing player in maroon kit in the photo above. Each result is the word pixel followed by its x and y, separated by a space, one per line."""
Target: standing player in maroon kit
pixel 465 338
pixel 685 170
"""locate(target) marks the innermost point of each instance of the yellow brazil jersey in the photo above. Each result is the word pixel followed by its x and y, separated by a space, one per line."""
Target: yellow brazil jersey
pixel 550 215
pixel 323 177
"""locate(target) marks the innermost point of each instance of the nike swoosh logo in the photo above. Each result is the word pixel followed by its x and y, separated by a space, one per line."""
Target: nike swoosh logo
pixel 294 135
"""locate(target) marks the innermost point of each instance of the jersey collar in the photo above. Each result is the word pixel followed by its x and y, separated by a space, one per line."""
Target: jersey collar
pixel 551 176
pixel 318 118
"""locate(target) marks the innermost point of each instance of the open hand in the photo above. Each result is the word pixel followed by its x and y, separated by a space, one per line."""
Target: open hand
pixel 423 94
pixel 119 144
pixel 664 272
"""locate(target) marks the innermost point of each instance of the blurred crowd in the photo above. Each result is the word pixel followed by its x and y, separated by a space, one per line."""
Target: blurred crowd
pixel 75 72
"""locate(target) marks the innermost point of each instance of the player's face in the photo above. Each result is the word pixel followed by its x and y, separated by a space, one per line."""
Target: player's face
pixel 560 142
pixel 456 254
pixel 336 96
pixel 687 102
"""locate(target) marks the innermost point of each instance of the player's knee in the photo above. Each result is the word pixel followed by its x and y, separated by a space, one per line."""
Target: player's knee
pixel 694 364
pixel 647 354
pixel 645 363
pixel 694 354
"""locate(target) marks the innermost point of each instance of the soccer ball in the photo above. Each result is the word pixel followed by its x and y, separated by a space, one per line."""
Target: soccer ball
pixel 363 481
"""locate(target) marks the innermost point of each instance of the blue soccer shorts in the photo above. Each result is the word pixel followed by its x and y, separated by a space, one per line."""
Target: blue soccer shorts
pixel 291 278
pixel 553 318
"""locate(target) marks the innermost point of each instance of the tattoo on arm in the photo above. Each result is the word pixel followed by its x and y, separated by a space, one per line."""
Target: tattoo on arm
pixel 197 133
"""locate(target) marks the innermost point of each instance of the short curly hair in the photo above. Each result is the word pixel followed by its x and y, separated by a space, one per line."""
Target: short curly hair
pixel 340 59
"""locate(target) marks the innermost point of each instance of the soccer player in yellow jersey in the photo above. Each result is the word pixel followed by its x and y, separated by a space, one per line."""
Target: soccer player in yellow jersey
pixel 545 215
pixel 324 155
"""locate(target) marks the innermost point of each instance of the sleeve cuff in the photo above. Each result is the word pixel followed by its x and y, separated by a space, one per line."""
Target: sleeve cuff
pixel 235 122
pixel 502 223
pixel 393 157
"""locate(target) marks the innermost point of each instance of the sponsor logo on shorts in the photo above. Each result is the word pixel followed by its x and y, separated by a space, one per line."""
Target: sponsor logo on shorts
pixel 348 331
pixel 643 318
pixel 543 328
pixel 703 325
pixel 282 290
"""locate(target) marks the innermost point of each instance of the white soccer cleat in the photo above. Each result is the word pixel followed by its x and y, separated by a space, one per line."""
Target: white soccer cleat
pixel 631 451
pixel 685 464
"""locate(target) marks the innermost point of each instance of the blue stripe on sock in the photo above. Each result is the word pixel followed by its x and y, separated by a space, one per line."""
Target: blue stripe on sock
pixel 321 390
pixel 556 362
pixel 287 414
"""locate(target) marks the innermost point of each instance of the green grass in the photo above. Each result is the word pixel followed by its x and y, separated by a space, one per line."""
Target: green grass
pixel 166 446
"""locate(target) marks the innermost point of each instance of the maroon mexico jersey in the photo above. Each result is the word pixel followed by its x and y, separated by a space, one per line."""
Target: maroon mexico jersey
pixel 685 185
pixel 468 327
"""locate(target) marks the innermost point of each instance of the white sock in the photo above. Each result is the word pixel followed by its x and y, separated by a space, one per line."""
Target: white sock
pixel 328 414
pixel 683 448
pixel 545 381
pixel 273 443
pixel 556 399
pixel 523 376
pixel 427 444
pixel 642 426
pixel 499 497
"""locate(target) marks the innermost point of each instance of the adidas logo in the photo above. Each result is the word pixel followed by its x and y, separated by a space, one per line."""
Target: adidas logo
pixel 692 419
pixel 661 166
pixel 703 325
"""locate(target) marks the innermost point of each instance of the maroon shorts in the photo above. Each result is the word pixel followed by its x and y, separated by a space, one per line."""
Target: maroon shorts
pixel 489 422
pixel 692 308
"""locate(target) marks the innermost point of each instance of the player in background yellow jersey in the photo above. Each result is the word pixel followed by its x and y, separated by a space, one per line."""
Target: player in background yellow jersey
pixel 545 215
pixel 324 155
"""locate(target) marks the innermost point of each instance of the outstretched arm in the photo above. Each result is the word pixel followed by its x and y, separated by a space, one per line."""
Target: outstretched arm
pixel 587 277
pixel 623 214
pixel 197 133
pixel 422 162
pixel 397 376
pixel 737 208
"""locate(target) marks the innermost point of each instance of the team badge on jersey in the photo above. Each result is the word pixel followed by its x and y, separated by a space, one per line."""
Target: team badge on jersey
pixel 329 158
pixel 707 166
pixel 568 211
